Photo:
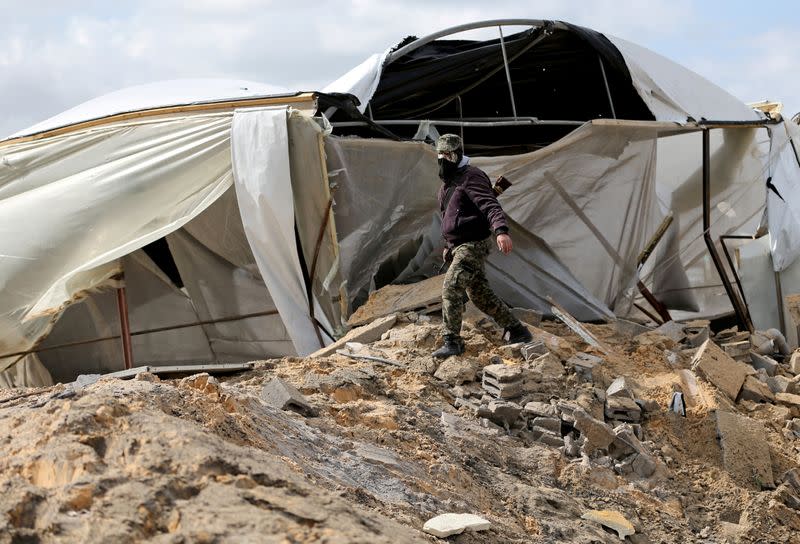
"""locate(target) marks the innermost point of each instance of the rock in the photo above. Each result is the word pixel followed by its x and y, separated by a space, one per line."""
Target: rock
pixel 623 409
pixel 756 391
pixel 619 388
pixel 611 519
pixel 503 412
pixel 540 409
pixel 457 370
pixel 511 351
pixel 283 396
pixel 761 343
pixel 445 525
pixel 789 400
pixel 697 335
pixel 649 406
pixel 531 317
pixel 779 384
pixel 550 439
pixel 371 332
pixel 720 369
pixel 644 465
pixel 502 373
pixel 456 427
pixel 552 424
pixel 769 364
pixel 548 366
pixel 598 435
pixel 745 450
pixel 85 380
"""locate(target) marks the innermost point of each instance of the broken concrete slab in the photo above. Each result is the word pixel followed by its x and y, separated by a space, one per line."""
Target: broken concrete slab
pixel 284 396
pixel 769 364
pixel 779 384
pixel 755 390
pixel 456 427
pixel 598 435
pixel 745 450
pixel 540 409
pixel 393 299
pixel 548 366
pixel 503 373
pixel 620 387
pixel 697 335
pixel 611 519
pixel 445 525
pixel 739 351
pixel 794 363
pixel 789 400
pixel 720 369
pixel 504 413
pixel 530 317
pixel 623 409
pixel 630 328
pixel 672 330
pixel 577 328
pixel 364 335
pixel 584 365
pixel 552 424
pixel 532 350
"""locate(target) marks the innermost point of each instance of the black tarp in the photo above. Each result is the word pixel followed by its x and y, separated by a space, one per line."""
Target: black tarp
pixel 555 77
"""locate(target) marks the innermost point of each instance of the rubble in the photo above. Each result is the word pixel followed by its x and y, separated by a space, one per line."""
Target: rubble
pixel 284 396
pixel 611 519
pixel 445 525
pixel 720 369
pixel 745 450
pixel 756 391
pixel 364 334
pixel 769 364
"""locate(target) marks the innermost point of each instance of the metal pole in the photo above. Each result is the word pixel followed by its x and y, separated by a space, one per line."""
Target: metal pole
pixel 125 328
pixel 779 293
pixel 460 116
pixel 608 90
pixel 741 314
pixel 508 72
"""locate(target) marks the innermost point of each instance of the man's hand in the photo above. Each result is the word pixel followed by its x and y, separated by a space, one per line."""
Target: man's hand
pixel 504 243
pixel 446 254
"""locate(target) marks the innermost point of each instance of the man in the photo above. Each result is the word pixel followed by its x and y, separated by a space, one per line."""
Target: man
pixel 470 215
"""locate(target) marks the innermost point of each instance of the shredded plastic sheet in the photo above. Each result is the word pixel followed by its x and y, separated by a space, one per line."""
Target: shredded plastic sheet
pixel 783 200
pixel 361 81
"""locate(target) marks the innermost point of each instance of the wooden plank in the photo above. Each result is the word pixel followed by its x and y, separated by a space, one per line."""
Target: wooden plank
pixel 399 298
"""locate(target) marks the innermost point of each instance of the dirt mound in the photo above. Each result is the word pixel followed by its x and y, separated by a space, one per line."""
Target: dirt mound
pixel 386 447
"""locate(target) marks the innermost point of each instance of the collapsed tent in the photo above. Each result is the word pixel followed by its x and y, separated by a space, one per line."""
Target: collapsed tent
pixel 228 221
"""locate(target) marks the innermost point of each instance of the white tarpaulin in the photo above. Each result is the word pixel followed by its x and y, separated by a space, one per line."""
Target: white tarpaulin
pixel 260 154
pixel 361 81
pixel 783 201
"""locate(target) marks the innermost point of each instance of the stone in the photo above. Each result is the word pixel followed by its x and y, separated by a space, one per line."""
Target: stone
pixel 619 388
pixel 503 412
pixel 548 366
pixel 794 363
pixel 789 400
pixel 672 330
pixel 755 390
pixel 769 364
pixel 787 496
pixel 530 317
pixel 792 478
pixel 456 427
pixel 503 373
pixel 540 409
pixel 371 332
pixel 511 351
pixel 737 350
pixel 598 435
pixel 779 384
pixel 552 424
pixel 623 409
pixel 550 439
pixel 745 450
pixel 649 406
pixel 283 396
pixel 644 465
pixel 445 525
pixel 457 370
pixel 611 519
pixel 761 343
pixel 503 390
pixel 720 369
pixel 697 335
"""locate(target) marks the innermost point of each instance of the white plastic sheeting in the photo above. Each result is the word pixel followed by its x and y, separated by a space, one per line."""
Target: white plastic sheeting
pixel 74 204
pixel 675 93
pixel 156 95
pixel 361 81
pixel 260 155
pixel 783 204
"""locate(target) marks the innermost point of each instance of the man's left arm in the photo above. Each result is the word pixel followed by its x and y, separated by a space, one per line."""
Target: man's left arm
pixel 479 189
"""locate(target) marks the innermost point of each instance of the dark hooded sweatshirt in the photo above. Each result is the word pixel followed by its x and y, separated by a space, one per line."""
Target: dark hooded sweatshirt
pixel 472 213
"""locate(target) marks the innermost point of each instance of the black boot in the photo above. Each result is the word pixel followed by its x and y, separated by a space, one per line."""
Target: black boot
pixel 453 345
pixel 516 334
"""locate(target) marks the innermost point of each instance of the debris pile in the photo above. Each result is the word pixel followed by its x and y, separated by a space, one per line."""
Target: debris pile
pixel 590 433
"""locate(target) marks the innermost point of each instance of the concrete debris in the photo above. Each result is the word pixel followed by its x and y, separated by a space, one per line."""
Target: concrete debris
pixel 598 435
pixel 533 350
pixel 584 365
pixel 745 450
pixel 284 396
pixel 457 370
pixel 630 328
pixel 779 384
pixel 364 335
pixel 623 409
pixel 611 519
pixel 789 400
pixel 779 341
pixel 720 369
pixel 577 328
pixel 794 363
pixel 551 424
pixel 540 409
pixel 769 364
pixel 530 317
pixel 739 351
pixel 511 351
pixel 755 390
pixel 619 388
pixel 504 413
pixel 445 525
pixel 697 335
pixel 673 331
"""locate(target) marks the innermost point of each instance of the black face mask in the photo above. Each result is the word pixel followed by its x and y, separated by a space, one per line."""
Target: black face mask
pixel 448 169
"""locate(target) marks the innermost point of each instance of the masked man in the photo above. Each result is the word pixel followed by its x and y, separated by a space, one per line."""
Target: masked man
pixel 470 215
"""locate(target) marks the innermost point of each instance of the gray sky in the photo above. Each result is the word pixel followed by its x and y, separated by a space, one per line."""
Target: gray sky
pixel 55 54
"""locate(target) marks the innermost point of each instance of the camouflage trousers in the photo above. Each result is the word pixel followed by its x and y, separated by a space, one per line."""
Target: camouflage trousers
pixel 468 275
